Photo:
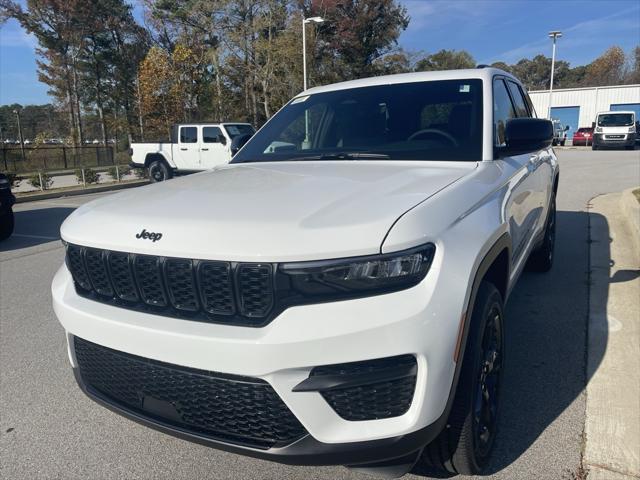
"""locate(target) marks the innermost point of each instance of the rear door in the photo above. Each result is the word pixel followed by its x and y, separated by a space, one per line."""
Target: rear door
pixel 187 156
pixel 214 149
pixel 522 209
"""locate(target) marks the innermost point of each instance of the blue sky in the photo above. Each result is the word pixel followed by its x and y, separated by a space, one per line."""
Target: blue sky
pixel 490 30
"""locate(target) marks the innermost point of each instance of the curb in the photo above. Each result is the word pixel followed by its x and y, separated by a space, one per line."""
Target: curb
pixel 631 208
pixel 81 191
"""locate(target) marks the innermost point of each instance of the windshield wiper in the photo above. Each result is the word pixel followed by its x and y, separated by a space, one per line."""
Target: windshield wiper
pixel 344 156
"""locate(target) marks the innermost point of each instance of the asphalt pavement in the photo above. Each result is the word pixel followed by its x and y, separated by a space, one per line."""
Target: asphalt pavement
pixel 50 430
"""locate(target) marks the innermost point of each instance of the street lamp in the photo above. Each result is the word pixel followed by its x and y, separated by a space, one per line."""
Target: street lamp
pixel 554 35
pixel 17 112
pixel 304 45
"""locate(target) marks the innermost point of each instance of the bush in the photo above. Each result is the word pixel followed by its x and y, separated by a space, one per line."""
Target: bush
pixel 141 173
pixel 34 180
pixel 123 171
pixel 90 176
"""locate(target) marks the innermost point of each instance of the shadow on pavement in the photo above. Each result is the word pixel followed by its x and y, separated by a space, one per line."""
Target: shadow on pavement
pixel 35 227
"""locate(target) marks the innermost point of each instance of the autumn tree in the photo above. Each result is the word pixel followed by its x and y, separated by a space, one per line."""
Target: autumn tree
pixel 607 69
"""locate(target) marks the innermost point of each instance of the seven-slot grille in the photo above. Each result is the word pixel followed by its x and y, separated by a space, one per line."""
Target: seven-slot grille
pixel 230 408
pixel 240 294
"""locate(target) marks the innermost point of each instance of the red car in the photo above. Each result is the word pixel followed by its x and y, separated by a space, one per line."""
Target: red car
pixel 584 136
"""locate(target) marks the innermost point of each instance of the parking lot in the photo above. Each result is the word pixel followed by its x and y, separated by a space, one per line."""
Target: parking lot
pixel 49 429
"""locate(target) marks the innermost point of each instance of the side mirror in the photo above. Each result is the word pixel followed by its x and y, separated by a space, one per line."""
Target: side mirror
pixel 524 135
pixel 238 142
pixel 593 124
pixel 566 128
pixel 221 139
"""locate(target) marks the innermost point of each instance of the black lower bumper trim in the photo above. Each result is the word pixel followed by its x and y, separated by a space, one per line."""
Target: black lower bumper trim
pixel 305 451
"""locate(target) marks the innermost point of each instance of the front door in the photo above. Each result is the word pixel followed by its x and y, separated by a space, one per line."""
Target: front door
pixel 188 154
pixel 523 205
pixel 214 149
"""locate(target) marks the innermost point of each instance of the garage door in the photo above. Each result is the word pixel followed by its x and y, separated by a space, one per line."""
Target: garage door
pixel 567 116
pixel 634 107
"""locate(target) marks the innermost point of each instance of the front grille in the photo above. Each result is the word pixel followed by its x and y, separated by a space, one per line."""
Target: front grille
pixel 233 409
pixel 221 292
pixel 372 401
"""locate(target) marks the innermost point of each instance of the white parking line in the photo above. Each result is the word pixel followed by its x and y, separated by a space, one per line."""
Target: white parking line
pixel 39 237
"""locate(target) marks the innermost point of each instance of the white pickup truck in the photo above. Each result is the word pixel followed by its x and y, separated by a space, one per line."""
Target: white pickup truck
pixel 193 147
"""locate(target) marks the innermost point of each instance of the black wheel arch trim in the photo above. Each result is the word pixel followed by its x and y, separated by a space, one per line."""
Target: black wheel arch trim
pixel 503 242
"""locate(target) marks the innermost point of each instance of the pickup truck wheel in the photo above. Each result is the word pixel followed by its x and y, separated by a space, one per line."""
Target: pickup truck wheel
pixel 7 222
pixel 562 143
pixel 594 147
pixel 465 444
pixel 541 259
pixel 159 171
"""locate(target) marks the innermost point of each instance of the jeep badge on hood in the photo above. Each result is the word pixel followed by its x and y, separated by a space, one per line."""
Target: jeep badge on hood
pixel 154 237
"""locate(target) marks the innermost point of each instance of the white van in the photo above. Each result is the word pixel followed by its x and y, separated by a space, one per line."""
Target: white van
pixel 615 129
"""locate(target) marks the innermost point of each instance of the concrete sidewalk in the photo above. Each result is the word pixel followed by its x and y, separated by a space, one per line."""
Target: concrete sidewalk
pixel 612 430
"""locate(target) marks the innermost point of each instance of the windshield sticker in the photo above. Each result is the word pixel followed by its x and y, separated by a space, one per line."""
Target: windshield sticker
pixel 300 99
pixel 465 88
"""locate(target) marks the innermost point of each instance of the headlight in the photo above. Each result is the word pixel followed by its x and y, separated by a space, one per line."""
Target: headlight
pixel 598 129
pixel 632 129
pixel 359 276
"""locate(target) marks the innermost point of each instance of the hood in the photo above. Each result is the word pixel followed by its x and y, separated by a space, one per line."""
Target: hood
pixel 275 212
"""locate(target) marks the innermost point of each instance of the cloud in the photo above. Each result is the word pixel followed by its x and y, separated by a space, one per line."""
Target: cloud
pixel 589 35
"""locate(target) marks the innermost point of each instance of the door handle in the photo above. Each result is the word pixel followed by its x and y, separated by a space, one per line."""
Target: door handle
pixel 204 149
pixel 184 148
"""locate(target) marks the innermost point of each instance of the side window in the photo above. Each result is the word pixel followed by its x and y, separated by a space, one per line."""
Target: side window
pixel 188 134
pixel 211 134
pixel 502 111
pixel 518 100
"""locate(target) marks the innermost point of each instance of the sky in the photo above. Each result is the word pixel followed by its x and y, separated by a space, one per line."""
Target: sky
pixel 491 30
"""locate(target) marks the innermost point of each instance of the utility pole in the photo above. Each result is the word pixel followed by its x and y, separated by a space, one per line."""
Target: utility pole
pixel 17 112
pixel 554 35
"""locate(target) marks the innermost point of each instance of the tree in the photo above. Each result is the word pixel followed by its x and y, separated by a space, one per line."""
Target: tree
pixel 607 69
pixel 446 60
pixel 357 33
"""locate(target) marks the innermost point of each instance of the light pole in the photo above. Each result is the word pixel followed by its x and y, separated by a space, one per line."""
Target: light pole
pixel 304 45
pixel 17 112
pixel 554 35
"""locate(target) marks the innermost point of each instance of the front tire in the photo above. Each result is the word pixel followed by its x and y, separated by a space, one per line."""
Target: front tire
pixel 7 223
pixel 159 171
pixel 464 446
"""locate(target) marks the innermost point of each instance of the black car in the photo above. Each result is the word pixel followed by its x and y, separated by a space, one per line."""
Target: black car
pixel 6 202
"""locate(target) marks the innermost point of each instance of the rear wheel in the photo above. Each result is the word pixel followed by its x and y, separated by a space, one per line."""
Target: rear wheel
pixel 7 222
pixel 562 143
pixel 594 146
pixel 465 445
pixel 541 259
pixel 159 171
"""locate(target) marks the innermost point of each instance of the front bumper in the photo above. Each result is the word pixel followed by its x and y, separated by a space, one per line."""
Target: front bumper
pixel 283 354
pixel 614 140
pixel 7 200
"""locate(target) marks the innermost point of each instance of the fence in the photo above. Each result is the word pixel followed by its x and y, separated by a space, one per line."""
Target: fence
pixel 48 158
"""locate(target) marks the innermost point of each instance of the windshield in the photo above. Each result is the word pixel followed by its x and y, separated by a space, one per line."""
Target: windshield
pixel 615 119
pixel 437 120
pixel 238 129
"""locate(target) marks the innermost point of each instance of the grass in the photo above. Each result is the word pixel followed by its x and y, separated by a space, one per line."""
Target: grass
pixel 636 192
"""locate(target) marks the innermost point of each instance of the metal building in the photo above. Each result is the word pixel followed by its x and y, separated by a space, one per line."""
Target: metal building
pixel 577 107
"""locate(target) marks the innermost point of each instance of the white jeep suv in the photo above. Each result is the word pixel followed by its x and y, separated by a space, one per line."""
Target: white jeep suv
pixel 335 294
